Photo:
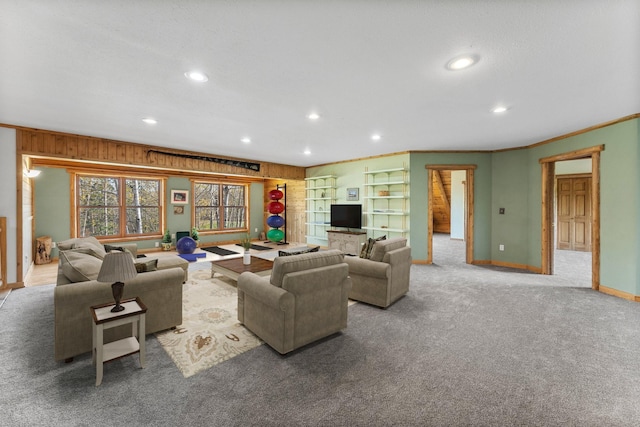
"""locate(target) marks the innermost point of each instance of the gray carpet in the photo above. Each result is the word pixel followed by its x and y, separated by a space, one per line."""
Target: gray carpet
pixel 467 346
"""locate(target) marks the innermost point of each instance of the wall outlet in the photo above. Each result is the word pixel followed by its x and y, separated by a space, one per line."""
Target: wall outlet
pixel 501 247
pixel 173 236
pixel 256 230
pixel 53 244
pixel 157 244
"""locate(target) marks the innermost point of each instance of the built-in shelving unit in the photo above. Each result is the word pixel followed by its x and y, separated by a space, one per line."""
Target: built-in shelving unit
pixel 386 202
pixel 320 195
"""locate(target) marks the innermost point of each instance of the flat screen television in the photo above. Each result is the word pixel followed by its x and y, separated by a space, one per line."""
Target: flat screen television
pixel 349 216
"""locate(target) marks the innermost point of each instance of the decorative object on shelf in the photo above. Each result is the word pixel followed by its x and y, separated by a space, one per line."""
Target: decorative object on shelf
pixel 166 240
pixel 179 197
pixel 246 244
pixel 195 236
pixel 275 221
pixel 353 194
pixel 383 193
pixel 117 267
pixel 186 245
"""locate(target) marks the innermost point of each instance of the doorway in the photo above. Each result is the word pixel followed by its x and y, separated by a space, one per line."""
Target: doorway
pixel 434 180
pixel 584 232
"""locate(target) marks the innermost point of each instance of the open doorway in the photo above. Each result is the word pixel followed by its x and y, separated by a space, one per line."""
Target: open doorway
pixel 572 245
pixel 556 214
pixel 450 213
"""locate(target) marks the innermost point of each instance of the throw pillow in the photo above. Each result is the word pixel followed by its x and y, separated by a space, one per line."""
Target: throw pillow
pixel 109 248
pixel 144 266
pixel 368 246
pixel 298 252
pixel 79 265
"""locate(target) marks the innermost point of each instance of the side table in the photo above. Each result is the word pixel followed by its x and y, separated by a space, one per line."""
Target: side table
pixel 133 313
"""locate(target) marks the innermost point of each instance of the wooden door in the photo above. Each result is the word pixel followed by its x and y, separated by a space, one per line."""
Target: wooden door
pixel 574 214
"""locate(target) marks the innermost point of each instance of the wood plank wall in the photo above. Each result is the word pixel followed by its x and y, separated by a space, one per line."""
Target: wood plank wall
pixel 442 201
pixel 295 208
pixel 47 144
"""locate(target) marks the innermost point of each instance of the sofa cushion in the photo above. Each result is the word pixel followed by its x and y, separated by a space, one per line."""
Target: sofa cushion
pixel 290 264
pixel 380 248
pixel 298 251
pixel 79 265
pixel 368 246
pixel 90 243
pixel 109 248
pixel 144 266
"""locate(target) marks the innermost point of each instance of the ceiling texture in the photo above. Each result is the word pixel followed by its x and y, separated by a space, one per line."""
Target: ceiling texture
pixel 98 68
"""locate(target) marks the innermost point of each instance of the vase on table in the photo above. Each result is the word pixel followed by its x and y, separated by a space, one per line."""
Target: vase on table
pixel 246 258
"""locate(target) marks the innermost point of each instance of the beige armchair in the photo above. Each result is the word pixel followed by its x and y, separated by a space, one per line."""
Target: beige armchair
pixel 384 277
pixel 304 300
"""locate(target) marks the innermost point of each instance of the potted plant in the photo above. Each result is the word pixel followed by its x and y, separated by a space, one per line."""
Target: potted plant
pixel 246 244
pixel 166 241
pixel 194 236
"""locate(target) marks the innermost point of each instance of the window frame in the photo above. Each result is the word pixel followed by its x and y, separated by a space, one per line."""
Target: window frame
pixel 122 207
pixel 221 207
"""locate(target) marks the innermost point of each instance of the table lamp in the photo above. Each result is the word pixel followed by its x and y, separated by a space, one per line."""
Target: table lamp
pixel 117 267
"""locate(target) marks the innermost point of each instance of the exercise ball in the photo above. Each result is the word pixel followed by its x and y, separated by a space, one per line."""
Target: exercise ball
pixel 275 221
pixel 275 207
pixel 186 245
pixel 275 235
pixel 276 195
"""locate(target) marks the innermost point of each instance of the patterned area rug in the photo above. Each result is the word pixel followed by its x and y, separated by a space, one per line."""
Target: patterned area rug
pixel 210 332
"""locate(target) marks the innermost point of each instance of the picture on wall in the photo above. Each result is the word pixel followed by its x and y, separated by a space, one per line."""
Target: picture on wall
pixel 352 194
pixel 178 210
pixel 179 197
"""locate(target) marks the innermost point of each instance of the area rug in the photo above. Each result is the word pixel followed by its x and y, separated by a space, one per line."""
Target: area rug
pixel 210 332
pixel 257 247
pixel 219 251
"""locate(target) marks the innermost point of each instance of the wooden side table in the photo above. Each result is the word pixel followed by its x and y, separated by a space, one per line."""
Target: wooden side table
pixel 133 313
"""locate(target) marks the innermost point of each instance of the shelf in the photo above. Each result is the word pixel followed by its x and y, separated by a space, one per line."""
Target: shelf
pixel 385 171
pixel 385 197
pixel 386 213
pixel 375 184
pixel 319 224
pixel 316 178
pixel 394 230
pixel 320 198
pixel 324 187
pixel 315 237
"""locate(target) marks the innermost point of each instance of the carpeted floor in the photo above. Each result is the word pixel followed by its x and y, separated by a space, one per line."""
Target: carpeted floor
pixel 466 346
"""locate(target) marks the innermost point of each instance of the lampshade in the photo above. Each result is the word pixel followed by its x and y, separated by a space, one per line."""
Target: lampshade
pixel 117 267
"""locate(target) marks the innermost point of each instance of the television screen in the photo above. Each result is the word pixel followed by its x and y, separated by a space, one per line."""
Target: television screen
pixel 349 216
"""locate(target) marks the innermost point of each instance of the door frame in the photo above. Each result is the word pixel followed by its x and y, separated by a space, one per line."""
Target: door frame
pixel 468 202
pixel 548 208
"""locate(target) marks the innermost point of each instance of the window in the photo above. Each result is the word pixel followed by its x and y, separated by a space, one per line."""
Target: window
pixel 220 207
pixel 112 206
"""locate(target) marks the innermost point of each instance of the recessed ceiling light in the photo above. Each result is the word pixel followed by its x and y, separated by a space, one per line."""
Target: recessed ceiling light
pixel 499 109
pixel 313 116
pixel 197 76
pixel 246 140
pixel 307 151
pixel 149 121
pixel 462 62
pixel 376 137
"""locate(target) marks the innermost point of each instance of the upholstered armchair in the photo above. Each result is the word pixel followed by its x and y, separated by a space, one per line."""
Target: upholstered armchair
pixel 304 300
pixel 384 277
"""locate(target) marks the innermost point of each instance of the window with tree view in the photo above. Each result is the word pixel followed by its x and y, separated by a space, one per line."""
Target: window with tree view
pixel 118 206
pixel 220 207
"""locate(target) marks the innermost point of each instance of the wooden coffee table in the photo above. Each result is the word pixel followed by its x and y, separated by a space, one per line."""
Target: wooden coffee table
pixel 234 267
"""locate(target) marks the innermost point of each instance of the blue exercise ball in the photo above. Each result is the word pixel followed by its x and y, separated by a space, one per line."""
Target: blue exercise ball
pixel 186 245
pixel 275 221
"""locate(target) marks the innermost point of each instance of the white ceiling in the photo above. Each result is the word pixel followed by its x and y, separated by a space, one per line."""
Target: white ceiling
pixel 98 67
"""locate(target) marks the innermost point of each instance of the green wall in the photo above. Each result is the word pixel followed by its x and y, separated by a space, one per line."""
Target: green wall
pixel 52 209
pixel 513 180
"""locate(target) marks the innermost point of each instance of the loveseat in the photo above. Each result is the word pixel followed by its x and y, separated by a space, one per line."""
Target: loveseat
pixel 159 288
pixel 305 299
pixel 382 276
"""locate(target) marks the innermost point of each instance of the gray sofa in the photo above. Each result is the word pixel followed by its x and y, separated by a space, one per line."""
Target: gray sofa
pixel 304 299
pixel 76 290
pixel 384 277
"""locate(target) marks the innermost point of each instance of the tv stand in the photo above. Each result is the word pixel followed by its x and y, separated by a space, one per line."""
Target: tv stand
pixel 349 242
